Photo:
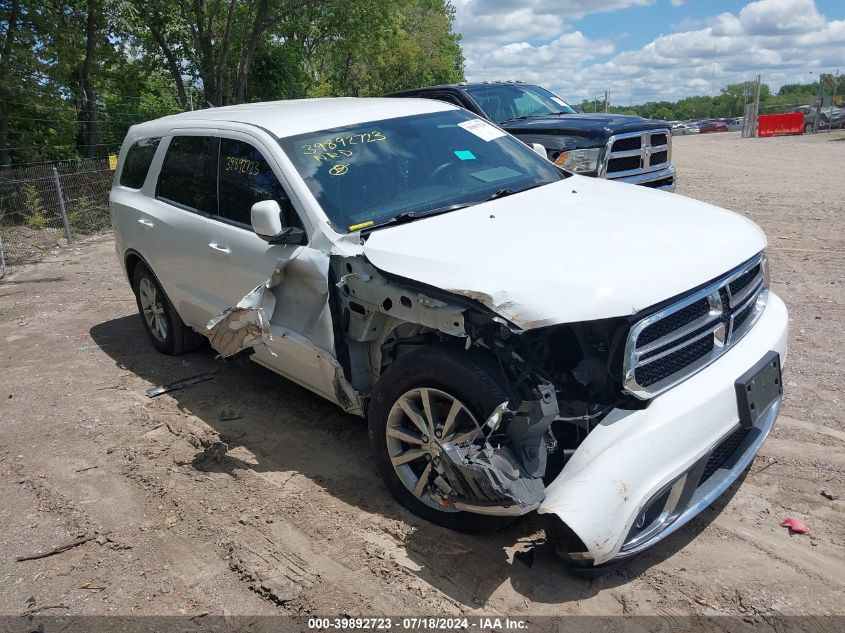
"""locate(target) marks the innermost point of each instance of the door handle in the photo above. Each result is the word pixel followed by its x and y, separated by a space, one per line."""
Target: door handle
pixel 147 224
pixel 217 248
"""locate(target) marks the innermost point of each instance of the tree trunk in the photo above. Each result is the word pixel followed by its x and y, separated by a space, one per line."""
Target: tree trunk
pixel 243 68
pixel 222 74
pixel 14 14
pixel 205 48
pixel 88 138
pixel 172 64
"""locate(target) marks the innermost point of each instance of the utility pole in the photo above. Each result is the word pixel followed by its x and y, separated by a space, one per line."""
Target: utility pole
pixel 756 106
pixel 752 110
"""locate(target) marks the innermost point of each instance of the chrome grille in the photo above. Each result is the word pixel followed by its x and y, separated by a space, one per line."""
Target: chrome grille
pixel 674 343
pixel 636 153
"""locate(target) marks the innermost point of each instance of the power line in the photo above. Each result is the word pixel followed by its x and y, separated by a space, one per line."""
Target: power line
pixel 74 145
pixel 74 120
pixel 68 105
pixel 52 162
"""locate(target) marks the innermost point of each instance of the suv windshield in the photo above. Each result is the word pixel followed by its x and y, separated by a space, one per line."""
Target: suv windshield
pixel 502 102
pixel 373 173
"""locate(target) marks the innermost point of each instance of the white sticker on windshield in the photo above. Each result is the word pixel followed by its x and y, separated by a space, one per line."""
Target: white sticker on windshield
pixel 482 129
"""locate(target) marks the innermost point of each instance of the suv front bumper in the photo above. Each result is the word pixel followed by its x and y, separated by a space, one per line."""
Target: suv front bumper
pixel 665 179
pixel 635 459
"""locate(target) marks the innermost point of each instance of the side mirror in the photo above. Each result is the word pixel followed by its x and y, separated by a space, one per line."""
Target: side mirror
pixel 540 149
pixel 266 217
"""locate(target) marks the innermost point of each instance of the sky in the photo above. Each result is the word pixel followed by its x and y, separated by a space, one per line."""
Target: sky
pixel 650 50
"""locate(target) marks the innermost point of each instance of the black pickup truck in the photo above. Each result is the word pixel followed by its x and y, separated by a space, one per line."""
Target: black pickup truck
pixel 614 146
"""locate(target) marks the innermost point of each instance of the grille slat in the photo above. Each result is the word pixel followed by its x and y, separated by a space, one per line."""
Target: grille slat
pixel 623 164
pixel 648 375
pixel 659 157
pixel 627 144
pixel 674 343
pixel 674 321
pixel 738 284
pixel 650 149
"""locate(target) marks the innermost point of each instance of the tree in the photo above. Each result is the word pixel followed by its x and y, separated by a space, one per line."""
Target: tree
pixel 75 74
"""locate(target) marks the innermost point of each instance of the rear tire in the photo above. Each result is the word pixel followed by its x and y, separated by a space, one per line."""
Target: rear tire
pixel 808 128
pixel 165 329
pixel 452 377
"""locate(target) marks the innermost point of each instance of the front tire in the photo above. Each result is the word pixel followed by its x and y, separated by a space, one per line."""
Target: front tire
pixel 165 329
pixel 434 394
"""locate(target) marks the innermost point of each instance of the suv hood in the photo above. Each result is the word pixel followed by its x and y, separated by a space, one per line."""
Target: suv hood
pixel 595 127
pixel 577 250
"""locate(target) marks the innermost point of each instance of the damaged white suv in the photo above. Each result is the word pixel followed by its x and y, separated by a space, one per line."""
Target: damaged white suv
pixel 518 337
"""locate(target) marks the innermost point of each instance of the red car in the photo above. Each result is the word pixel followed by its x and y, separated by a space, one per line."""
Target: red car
pixel 713 126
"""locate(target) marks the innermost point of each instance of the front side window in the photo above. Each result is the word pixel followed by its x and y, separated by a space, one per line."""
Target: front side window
pixel 246 178
pixel 365 175
pixel 137 162
pixel 502 102
pixel 189 173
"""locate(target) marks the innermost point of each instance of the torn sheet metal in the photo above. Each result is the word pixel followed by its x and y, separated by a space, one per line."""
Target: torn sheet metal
pixel 248 323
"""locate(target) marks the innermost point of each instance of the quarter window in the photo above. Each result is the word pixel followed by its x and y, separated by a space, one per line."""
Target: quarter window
pixel 246 178
pixel 189 174
pixel 137 163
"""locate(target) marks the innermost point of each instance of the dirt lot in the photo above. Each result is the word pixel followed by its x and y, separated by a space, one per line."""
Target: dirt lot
pixel 294 519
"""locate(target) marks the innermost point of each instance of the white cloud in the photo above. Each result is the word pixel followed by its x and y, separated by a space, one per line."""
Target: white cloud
pixel 535 40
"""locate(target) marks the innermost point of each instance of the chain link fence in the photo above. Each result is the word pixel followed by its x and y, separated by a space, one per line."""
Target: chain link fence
pixel 45 205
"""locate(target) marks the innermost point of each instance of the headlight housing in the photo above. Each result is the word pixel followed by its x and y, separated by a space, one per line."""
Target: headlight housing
pixel 579 161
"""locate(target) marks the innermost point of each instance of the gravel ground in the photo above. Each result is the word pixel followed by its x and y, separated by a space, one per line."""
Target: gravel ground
pixel 281 510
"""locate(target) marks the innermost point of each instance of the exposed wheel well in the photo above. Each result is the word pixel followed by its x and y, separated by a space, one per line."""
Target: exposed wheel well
pixel 132 260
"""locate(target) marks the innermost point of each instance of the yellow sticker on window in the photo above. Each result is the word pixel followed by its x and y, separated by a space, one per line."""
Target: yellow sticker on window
pixel 363 225
pixel 112 162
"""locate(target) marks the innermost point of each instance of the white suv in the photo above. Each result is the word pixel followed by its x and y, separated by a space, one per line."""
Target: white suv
pixel 518 337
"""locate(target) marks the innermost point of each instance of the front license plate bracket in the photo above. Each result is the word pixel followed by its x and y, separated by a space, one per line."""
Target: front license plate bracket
pixel 758 388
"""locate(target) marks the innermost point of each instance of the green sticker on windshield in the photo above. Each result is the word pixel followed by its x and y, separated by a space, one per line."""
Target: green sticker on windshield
pixel 464 154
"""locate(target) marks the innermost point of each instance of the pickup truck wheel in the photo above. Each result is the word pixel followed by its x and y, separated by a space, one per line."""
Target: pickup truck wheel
pixel 433 395
pixel 167 332
pixel 808 128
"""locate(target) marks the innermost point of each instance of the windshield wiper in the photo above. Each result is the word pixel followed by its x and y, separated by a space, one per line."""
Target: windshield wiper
pixel 410 216
pixel 531 116
pixel 503 193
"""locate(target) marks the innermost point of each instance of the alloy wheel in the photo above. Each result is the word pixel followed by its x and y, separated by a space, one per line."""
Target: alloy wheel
pixel 152 308
pixel 419 423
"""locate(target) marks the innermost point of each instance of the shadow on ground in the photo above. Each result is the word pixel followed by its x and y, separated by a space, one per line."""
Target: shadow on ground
pixel 288 428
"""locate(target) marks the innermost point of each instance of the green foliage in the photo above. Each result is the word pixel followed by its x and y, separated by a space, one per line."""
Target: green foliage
pixel 88 217
pixel 729 103
pixel 102 65
pixel 33 209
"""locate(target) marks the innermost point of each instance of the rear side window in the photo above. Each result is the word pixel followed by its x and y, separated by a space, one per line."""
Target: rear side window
pixel 189 173
pixel 137 163
pixel 246 178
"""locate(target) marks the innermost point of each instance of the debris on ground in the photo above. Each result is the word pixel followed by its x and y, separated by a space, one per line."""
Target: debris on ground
pixel 44 608
pixel 229 414
pixel 96 536
pixel 152 392
pixel 760 470
pixel 829 494
pixel 796 526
